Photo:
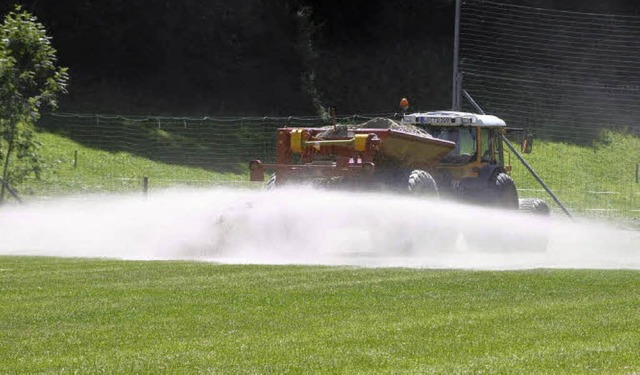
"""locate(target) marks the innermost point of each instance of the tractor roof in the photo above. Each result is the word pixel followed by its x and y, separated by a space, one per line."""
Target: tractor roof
pixel 451 118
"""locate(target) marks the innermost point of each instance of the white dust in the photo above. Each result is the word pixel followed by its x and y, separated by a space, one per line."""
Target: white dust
pixel 307 226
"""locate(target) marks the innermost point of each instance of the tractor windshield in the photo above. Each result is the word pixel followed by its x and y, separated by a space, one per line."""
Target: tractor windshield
pixel 465 139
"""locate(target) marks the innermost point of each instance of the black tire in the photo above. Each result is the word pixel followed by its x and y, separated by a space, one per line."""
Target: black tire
pixel 422 183
pixel 501 191
pixel 538 240
pixel 434 238
pixel 535 206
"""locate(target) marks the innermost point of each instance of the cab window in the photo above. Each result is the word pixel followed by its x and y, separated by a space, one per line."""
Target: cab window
pixel 487 140
pixel 464 138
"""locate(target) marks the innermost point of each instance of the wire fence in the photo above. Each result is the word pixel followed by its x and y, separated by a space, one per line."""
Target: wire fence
pixel 576 173
pixel 202 151
pixel 562 74
pixel 217 143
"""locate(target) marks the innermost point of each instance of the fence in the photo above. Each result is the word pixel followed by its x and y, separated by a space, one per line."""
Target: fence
pixel 217 143
pixel 577 174
pixel 562 74
pixel 218 149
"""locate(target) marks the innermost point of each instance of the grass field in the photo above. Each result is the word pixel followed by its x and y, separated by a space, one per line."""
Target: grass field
pixel 592 180
pixel 595 180
pixel 98 171
pixel 105 316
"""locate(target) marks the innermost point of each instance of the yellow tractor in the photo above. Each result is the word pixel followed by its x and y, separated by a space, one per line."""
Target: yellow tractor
pixel 457 155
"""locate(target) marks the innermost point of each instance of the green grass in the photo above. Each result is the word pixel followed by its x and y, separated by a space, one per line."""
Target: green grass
pixel 591 180
pixel 103 316
pixel 96 171
pixel 587 179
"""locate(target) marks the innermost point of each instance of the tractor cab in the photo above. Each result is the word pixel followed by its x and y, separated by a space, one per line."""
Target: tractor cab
pixel 477 137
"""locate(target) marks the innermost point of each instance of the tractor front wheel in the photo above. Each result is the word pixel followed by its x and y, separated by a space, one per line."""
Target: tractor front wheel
pixel 422 183
pixel 502 191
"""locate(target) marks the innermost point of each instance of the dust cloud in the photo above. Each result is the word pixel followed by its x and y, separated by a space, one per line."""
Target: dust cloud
pixel 307 226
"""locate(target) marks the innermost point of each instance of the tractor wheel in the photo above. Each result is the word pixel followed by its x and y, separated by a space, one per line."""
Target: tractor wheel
pixel 501 191
pixel 535 206
pixel 422 183
pixel 536 240
pixel 436 237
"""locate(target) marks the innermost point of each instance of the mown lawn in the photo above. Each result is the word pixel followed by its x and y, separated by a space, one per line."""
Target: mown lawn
pixel 105 316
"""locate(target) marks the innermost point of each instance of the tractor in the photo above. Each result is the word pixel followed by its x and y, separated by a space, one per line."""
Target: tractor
pixel 448 154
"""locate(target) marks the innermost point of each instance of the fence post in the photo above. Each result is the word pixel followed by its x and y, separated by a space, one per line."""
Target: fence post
pixel 75 159
pixel 637 173
pixel 456 84
pixel 145 185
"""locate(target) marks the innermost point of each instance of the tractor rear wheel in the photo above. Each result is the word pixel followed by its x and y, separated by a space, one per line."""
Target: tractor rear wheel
pixel 499 192
pixel 502 192
pixel 422 183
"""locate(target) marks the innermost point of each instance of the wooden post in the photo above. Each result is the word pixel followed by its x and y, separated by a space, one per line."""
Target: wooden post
pixel 145 185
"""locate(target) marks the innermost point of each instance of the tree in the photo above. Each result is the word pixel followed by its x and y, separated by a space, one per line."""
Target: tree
pixel 29 84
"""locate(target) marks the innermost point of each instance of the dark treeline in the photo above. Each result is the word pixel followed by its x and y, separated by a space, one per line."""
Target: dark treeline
pixel 258 57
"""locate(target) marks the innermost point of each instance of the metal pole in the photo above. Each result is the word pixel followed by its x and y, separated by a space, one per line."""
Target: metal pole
pixel 524 162
pixel 455 94
pixel 473 102
pixel 534 174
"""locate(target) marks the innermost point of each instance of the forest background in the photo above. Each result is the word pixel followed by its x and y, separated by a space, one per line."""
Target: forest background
pixel 259 57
